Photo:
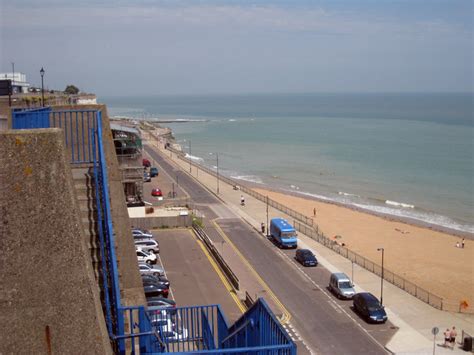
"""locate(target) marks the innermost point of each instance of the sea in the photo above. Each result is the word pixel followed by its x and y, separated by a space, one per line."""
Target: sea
pixel 407 156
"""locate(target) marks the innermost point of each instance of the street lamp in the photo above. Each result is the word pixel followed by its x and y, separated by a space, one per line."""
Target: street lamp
pixel 381 277
pixel 42 86
pixel 217 168
pixel 190 157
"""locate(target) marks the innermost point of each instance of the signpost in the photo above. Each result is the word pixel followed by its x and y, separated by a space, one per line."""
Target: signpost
pixel 434 331
pixel 6 89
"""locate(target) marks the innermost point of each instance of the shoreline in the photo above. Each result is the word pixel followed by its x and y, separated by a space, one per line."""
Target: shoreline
pixel 392 218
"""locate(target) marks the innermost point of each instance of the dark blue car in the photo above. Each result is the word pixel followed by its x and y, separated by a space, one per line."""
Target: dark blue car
pixel 369 307
pixel 306 257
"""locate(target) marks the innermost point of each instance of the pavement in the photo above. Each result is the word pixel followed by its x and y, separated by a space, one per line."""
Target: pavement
pixel 413 318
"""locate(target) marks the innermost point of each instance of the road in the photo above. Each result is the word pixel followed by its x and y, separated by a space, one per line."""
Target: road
pixel 328 326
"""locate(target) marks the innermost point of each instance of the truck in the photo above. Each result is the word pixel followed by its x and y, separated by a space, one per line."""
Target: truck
pixel 283 233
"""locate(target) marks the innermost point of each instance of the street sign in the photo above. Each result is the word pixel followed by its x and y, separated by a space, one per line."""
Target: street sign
pixel 5 87
pixel 435 330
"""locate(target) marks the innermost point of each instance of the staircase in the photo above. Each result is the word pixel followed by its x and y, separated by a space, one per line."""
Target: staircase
pixel 83 178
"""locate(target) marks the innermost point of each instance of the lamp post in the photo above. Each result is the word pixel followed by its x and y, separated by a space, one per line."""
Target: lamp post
pixel 381 277
pixel 190 157
pixel 217 170
pixel 266 200
pixel 42 86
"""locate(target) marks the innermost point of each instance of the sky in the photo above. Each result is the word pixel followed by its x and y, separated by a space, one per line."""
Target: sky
pixel 153 47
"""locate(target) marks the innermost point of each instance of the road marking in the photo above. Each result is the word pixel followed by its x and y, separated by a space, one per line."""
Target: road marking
pixel 220 274
pixel 286 315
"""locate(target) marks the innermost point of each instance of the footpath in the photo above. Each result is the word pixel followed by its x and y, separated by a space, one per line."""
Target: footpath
pixel 414 318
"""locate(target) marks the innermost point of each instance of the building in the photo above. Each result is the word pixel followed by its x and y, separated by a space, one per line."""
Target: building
pixel 19 83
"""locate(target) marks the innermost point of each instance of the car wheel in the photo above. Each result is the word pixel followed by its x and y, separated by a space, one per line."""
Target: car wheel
pixel 148 262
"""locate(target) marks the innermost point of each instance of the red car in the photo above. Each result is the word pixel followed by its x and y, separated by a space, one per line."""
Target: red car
pixel 156 192
pixel 146 163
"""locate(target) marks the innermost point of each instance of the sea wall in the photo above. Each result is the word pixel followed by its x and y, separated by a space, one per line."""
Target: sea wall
pixel 49 300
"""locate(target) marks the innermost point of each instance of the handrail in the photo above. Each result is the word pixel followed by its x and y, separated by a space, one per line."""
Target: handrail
pixel 110 232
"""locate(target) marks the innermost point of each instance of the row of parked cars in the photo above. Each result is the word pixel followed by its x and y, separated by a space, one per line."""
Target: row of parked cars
pixel 161 309
pixel 364 303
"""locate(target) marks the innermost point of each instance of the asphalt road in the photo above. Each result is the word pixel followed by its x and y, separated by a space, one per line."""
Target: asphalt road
pixel 328 326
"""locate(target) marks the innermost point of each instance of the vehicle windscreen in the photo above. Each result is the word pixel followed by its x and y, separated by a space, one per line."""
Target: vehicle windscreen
pixel 288 235
pixel 373 305
pixel 344 284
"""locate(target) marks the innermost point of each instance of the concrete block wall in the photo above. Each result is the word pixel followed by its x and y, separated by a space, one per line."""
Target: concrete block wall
pixel 49 299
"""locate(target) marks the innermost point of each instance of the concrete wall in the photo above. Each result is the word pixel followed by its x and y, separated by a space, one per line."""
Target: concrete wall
pixel 130 281
pixel 162 222
pixel 49 300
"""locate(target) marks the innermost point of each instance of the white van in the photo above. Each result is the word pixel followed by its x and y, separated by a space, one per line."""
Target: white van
pixel 341 285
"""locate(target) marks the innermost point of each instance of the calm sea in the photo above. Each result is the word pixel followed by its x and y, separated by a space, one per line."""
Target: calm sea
pixel 406 155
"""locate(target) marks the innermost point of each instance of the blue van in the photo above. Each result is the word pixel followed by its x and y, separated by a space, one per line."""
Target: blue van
pixel 283 233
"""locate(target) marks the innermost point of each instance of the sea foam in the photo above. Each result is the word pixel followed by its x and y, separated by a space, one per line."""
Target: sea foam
pixel 399 204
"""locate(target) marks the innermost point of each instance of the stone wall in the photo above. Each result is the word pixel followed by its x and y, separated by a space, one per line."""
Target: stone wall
pixel 49 300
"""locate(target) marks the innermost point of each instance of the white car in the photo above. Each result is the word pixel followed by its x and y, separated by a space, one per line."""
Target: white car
pixel 147 269
pixel 167 328
pixel 144 257
pixel 138 233
pixel 148 245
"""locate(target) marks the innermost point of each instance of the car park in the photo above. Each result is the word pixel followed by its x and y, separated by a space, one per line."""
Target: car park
pixel 153 171
pixel 340 284
pixel 145 257
pixel 139 233
pixel 306 257
pixel 149 245
pixel 369 307
pixel 147 269
pixel 156 192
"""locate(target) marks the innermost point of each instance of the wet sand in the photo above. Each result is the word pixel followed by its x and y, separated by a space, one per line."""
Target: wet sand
pixel 421 255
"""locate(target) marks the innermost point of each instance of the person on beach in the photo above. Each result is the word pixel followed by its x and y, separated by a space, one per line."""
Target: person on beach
pixel 462 243
pixel 447 337
pixel 314 212
pixel 242 200
pixel 452 337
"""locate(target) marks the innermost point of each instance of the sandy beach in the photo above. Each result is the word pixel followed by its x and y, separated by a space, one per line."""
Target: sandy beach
pixel 426 257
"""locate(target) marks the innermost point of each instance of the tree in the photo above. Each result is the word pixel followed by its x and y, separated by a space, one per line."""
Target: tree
pixel 71 90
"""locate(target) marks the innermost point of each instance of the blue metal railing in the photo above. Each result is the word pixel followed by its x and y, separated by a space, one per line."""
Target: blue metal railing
pixel 193 329
pixel 29 119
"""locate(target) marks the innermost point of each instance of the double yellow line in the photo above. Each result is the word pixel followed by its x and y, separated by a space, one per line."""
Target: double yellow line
pixel 286 315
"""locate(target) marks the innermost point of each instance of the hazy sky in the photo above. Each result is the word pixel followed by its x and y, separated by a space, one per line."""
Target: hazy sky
pixel 197 47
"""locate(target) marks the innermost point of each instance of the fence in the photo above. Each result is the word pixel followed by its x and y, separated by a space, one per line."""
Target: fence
pixel 369 265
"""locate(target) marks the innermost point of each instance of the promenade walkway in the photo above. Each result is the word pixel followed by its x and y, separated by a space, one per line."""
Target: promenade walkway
pixel 414 318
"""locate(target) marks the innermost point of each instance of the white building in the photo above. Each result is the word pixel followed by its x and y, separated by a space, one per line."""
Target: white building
pixel 19 84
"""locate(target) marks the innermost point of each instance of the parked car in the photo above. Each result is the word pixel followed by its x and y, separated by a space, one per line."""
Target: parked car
pixel 141 233
pixel 145 257
pixel 146 177
pixel 147 269
pixel 153 171
pixel 146 163
pixel 340 284
pixel 153 289
pixel 306 257
pixel 160 302
pixel 156 192
pixel 369 307
pixel 158 279
pixel 149 245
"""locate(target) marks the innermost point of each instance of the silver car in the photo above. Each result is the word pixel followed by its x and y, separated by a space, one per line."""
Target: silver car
pixel 146 269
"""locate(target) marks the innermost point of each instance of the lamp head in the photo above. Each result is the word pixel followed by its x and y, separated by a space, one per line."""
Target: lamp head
pixel 42 71
pixel 380 249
